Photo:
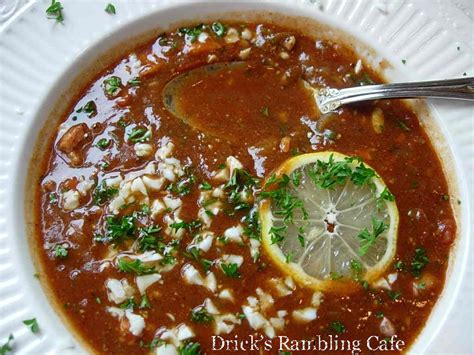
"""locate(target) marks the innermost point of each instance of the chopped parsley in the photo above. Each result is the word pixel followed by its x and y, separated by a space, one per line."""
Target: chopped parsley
pixel 183 186
pixel 337 327
pixel 117 229
pixel 394 295
pixel 285 203
pixel 134 82
pixel 218 28
pixel 404 61
pixel 145 302
pixel 190 348
pixel 129 304
pixel 328 174
pixel 110 9
pixel 231 270
pixel 191 34
pixel 356 269
pixel 276 234
pixel 7 346
pixel 139 135
pixel 335 276
pixel 366 80
pixel 205 186
pixel 156 342
pixel 368 239
pixel 55 11
pixel 148 240
pixel 289 257
pixel 403 126
pixel 103 143
pixel 296 176
pixel 60 251
pixel 385 195
pixel 200 315
pixel 112 85
pixel 194 253
pixel 135 266
pixel 379 314
pixel 399 265
pixel 53 198
pixel 251 223
pixel 103 193
pixel 265 111
pixel 190 226
pixel 421 286
pixel 240 183
pixel 419 262
pixel 32 324
pixel 90 108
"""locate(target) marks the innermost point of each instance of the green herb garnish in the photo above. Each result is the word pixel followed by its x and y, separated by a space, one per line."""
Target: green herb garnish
pixel 90 108
pixel 110 9
pixel 129 304
pixel 200 315
pixel 103 193
pixel 337 327
pixel 32 324
pixel 394 295
pixel 135 266
pixel 205 186
pixel 112 85
pixel 191 34
pixel 218 28
pixel 368 239
pixel 139 135
pixel 103 143
pixel 60 252
pixel 7 346
pixel 419 262
pixel 55 11
pixel 118 229
pixel 231 270
pixel 190 348
pixel 134 82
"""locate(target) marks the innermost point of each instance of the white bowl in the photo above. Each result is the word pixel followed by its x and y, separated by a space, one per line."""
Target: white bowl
pixel 60 53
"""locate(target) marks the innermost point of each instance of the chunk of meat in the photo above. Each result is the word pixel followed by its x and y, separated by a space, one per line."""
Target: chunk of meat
pixel 73 138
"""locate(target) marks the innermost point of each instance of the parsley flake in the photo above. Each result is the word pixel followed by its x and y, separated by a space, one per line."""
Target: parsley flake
pixel 55 11
pixel 32 324
pixel 368 239
pixel 110 9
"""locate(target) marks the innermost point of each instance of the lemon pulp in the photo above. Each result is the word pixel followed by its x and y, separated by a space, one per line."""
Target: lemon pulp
pixel 346 231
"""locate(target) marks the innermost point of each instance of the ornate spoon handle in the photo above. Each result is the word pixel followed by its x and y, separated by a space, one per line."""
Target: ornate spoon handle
pixel 330 99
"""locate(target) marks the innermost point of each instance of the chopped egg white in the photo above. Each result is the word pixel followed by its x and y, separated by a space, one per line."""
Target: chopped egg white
pixel 118 290
pixel 137 322
pixel 143 149
pixel 234 234
pixel 71 200
pixel 153 183
pixel 305 315
pixel 145 281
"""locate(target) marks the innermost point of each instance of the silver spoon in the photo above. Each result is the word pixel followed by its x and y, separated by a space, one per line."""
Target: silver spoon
pixel 330 99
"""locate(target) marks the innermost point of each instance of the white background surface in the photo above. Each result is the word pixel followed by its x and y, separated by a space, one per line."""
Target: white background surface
pixel 457 334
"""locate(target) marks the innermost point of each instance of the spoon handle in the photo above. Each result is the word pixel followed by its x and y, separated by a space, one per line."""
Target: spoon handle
pixel 329 99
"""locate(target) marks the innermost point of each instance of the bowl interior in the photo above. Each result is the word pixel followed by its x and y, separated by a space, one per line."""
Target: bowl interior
pixel 172 15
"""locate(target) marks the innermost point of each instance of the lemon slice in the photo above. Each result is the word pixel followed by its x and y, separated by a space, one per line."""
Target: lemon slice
pixel 327 219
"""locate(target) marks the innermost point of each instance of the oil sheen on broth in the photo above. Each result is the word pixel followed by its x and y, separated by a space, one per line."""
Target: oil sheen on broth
pixel 148 247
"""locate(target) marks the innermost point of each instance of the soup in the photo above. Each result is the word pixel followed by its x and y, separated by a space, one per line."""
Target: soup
pixel 150 220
